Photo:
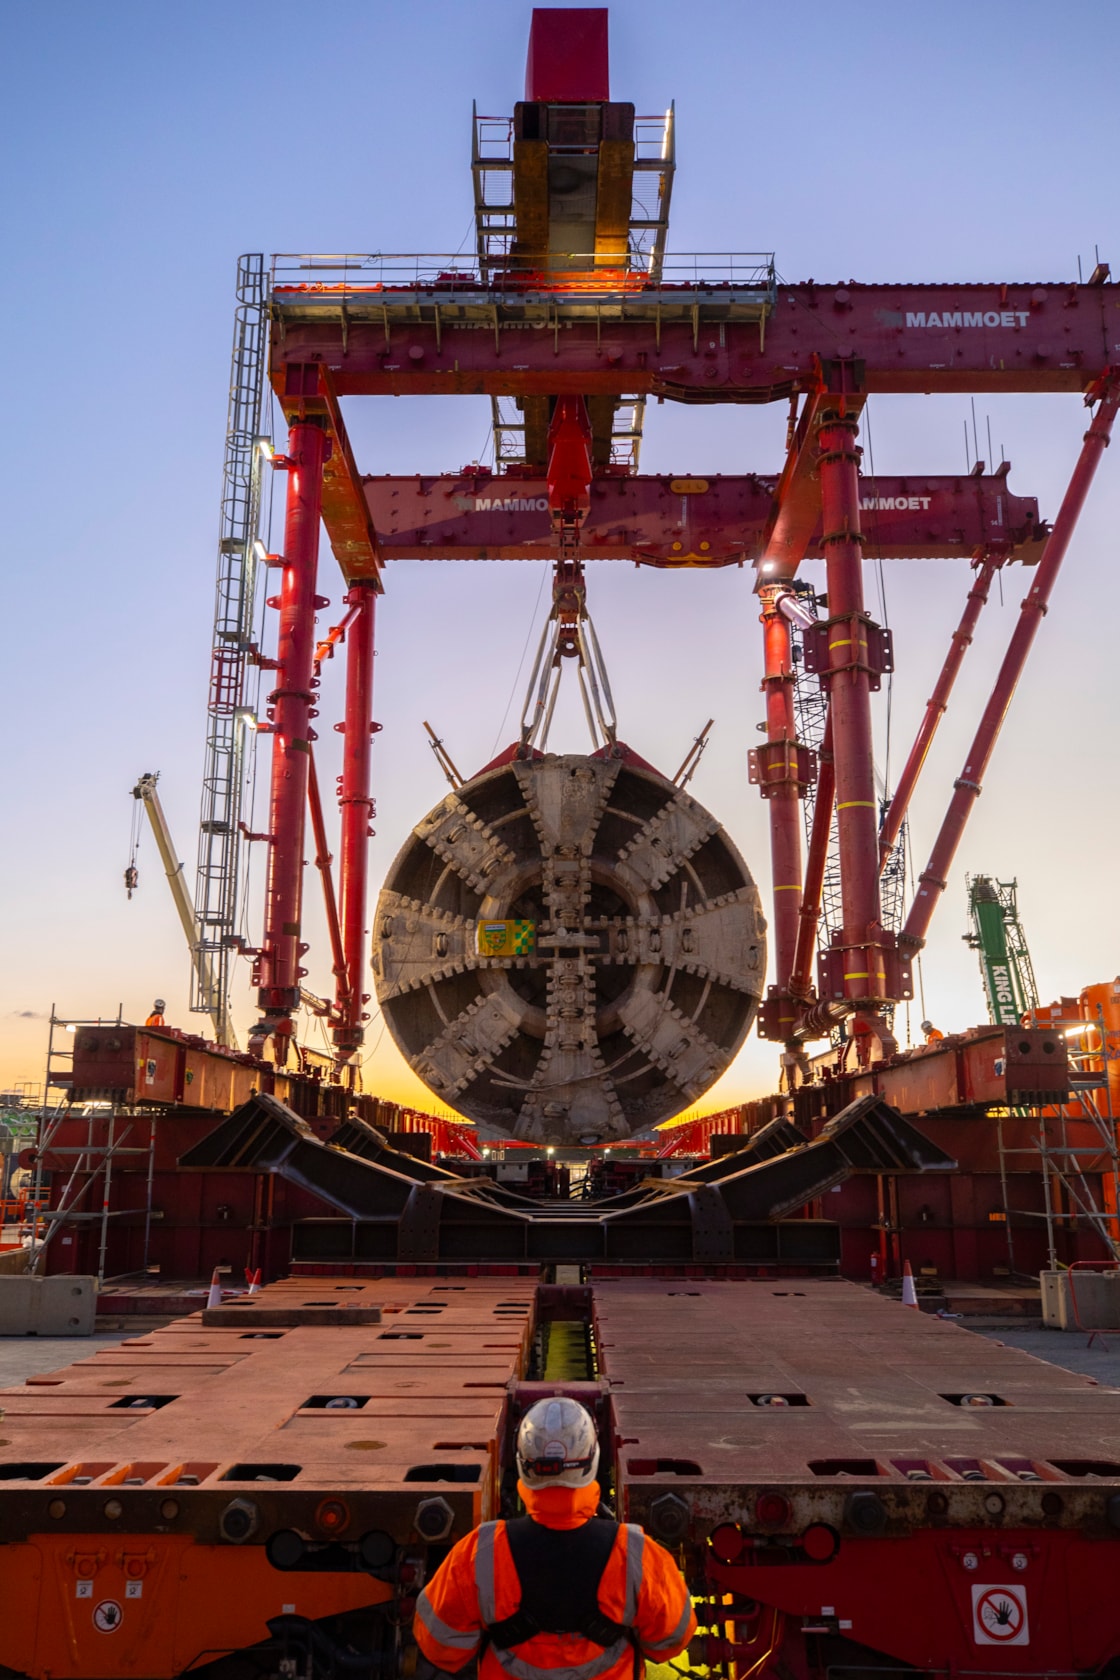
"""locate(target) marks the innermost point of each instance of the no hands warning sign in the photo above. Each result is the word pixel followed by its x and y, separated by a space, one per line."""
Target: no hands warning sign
pixel 999 1615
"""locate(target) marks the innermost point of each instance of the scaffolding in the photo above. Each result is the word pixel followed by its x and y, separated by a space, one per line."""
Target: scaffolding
pixel 109 1127
pixel 1063 1166
pixel 228 715
pixel 892 879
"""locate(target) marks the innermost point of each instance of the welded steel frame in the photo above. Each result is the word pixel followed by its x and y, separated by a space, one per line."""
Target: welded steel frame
pixel 506 327
pixel 411 326
pixel 492 172
pixel 864 971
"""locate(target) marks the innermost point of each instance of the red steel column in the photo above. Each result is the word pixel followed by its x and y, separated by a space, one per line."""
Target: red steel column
pixel 850 709
pixel 783 797
pixel 801 977
pixel 934 877
pixel 935 708
pixel 278 967
pixel 357 809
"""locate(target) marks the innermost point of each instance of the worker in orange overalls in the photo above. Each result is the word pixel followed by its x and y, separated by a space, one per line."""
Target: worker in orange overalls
pixel 559 1590
pixel 934 1035
pixel 155 1019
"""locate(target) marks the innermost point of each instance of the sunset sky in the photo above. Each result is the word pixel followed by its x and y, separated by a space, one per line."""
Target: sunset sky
pixel 150 144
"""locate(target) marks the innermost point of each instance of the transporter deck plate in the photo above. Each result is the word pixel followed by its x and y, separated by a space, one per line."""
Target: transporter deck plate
pixel 725 1391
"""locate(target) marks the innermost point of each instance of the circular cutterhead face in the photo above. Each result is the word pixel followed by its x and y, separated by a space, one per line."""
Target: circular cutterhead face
pixel 569 949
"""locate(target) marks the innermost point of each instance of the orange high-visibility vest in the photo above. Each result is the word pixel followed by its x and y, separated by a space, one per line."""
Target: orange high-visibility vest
pixel 477 1587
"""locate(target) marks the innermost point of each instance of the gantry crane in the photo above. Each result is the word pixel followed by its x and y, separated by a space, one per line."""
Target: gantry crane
pixel 570 337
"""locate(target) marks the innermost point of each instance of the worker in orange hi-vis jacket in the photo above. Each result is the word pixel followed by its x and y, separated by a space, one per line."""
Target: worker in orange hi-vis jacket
pixel 933 1035
pixel 155 1019
pixel 559 1589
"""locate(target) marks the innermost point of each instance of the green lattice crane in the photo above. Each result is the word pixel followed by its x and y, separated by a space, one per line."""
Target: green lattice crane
pixel 1005 963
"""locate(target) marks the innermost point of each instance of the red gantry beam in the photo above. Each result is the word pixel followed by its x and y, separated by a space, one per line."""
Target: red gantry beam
pixel 704 342
pixel 719 521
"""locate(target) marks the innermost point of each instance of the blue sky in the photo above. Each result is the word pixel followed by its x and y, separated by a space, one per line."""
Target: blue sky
pixel 149 144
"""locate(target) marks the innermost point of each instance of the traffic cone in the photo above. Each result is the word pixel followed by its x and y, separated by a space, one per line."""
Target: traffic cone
pixel 214 1298
pixel 255 1282
pixel 909 1293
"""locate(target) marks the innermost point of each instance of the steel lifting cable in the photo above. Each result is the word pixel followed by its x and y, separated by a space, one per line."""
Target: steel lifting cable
pixel 591 656
pixel 530 725
pixel 520 663
pixel 132 873
pixel 591 675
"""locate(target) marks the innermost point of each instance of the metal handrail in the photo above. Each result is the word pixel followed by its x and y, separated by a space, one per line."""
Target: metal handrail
pixel 448 271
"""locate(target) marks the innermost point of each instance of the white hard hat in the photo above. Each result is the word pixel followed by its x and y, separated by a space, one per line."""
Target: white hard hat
pixel 557 1445
pixel 927 1026
pixel 159 1004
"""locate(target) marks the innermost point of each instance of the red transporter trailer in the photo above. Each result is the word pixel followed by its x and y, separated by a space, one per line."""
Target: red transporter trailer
pixel 846 1482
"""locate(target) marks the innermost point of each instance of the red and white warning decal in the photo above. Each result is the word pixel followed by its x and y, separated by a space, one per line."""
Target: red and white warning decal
pixel 107 1616
pixel 999 1616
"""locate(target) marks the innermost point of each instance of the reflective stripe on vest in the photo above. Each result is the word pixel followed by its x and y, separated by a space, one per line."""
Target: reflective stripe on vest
pixel 516 1667
pixel 454 1638
pixel 660 1646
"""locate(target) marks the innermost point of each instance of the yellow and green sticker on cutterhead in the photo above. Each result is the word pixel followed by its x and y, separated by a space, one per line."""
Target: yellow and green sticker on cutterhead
pixel 507 939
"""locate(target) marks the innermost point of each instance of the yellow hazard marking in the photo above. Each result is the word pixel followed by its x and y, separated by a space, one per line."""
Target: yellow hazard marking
pixel 850 804
pixel 688 486
pixel 568 1355
pixel 796 887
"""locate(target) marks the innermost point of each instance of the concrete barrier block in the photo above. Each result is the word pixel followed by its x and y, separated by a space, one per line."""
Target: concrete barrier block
pixel 51 1306
pixel 67 1306
pixel 1080 1300
pixel 17 1305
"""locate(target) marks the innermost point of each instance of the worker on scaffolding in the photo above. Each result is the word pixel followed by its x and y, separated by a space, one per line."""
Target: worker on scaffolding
pixel 155 1019
pixel 933 1035
pixel 559 1589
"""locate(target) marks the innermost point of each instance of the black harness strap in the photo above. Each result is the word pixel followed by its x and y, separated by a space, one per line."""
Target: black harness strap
pixel 559 1570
